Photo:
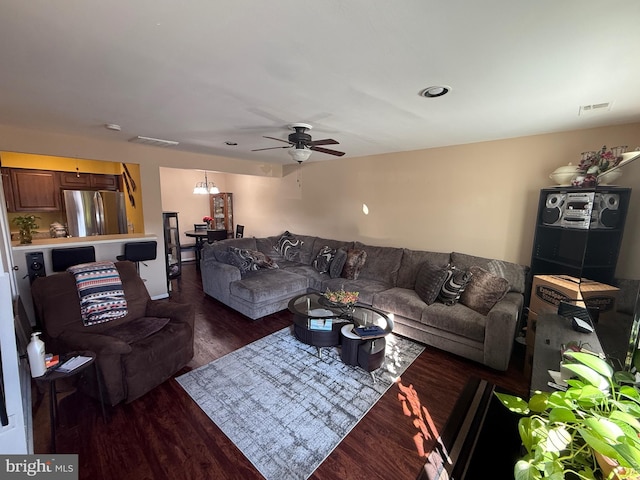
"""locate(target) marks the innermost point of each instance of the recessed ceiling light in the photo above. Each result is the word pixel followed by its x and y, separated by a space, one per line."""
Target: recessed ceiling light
pixel 113 126
pixel 435 91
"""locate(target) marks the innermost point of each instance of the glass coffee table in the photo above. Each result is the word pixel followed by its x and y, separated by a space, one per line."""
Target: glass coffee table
pixel 320 323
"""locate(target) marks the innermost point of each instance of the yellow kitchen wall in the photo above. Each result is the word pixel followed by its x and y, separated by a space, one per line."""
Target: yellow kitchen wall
pixel 135 216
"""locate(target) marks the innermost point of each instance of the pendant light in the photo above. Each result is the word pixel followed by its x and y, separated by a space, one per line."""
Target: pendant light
pixel 206 187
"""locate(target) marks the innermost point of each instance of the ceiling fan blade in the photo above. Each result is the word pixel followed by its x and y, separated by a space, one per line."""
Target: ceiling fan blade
pixel 269 148
pixel 278 139
pixel 326 150
pixel 326 141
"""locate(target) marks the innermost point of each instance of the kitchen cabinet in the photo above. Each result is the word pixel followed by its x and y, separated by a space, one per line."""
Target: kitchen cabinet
pixel 221 206
pixel 32 190
pixel 89 181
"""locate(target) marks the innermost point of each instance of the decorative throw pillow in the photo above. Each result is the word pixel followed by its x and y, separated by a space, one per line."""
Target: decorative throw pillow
pixel 354 263
pixel 484 290
pixel 239 259
pixel 324 258
pixel 288 246
pixel 454 285
pixel 429 281
pixel 248 260
pixel 337 264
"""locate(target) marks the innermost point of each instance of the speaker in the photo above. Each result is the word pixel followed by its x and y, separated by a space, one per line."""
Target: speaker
pixel 554 205
pixel 606 210
pixel 35 265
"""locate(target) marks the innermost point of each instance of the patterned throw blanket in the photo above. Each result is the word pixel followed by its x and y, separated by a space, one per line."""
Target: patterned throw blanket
pixel 100 291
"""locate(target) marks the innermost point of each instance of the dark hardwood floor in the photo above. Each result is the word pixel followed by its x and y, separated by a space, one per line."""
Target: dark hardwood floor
pixel 165 435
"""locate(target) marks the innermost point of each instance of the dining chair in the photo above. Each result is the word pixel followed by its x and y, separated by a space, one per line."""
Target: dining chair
pixel 216 235
pixel 199 226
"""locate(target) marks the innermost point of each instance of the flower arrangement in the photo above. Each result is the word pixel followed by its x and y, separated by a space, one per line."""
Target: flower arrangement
pixel 593 164
pixel 27 225
pixel 341 297
pixel 207 219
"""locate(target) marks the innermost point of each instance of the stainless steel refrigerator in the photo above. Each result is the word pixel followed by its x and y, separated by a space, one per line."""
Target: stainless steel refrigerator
pixel 95 212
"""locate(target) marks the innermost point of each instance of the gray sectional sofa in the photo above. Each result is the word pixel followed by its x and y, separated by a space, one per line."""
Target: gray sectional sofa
pixel 386 281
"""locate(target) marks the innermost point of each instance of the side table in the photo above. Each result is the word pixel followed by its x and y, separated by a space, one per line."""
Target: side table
pixel 52 375
pixel 367 354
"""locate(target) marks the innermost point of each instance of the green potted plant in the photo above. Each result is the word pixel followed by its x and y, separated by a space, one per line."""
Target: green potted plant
pixel 590 431
pixel 27 226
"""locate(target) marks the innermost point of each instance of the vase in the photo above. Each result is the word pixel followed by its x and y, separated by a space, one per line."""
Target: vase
pixel 25 237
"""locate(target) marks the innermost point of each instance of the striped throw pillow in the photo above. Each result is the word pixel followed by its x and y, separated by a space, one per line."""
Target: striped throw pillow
pixel 454 284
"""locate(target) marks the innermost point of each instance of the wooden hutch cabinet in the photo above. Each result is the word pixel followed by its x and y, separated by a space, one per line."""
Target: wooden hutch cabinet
pixel 221 206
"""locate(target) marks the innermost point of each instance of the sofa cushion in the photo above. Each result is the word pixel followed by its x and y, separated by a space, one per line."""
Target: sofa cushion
pixel 263 286
pixel 429 281
pixel 457 319
pixel 137 329
pixel 337 264
pixel 323 260
pixel 383 263
pixel 411 262
pixel 484 290
pixel 515 274
pixel 214 249
pixel 403 302
pixel 454 284
pixel 288 246
pixel 354 263
pixel 320 242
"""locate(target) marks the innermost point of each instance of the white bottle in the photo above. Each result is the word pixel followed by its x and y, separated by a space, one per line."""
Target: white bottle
pixel 35 351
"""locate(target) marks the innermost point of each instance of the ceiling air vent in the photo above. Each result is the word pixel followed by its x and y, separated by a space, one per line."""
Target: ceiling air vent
pixel 157 142
pixel 594 108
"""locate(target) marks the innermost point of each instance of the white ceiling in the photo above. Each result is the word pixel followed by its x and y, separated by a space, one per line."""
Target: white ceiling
pixel 203 72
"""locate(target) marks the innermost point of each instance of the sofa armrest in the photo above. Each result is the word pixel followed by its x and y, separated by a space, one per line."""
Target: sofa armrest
pixel 100 344
pixel 216 278
pixel 176 312
pixel 500 331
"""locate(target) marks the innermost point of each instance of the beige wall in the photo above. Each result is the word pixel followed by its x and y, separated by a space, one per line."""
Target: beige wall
pixel 478 198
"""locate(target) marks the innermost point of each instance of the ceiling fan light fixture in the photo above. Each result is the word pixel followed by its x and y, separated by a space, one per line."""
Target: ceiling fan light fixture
pixel 299 154
pixel 435 91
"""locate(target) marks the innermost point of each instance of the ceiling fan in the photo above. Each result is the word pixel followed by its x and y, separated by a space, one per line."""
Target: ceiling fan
pixel 303 143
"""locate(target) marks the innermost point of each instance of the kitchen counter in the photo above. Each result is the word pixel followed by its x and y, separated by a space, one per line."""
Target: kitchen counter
pixel 107 248
pixel 39 243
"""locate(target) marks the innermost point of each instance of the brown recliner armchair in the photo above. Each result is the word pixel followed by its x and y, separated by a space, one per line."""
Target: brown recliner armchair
pixel 136 352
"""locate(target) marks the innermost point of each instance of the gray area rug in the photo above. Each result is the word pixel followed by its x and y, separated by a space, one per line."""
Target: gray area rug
pixel 285 408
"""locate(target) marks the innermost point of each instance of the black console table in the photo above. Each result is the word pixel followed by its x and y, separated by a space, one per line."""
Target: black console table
pixel 552 331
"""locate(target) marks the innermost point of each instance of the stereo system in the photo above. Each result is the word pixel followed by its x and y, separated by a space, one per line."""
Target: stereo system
pixel 35 265
pixel 582 210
